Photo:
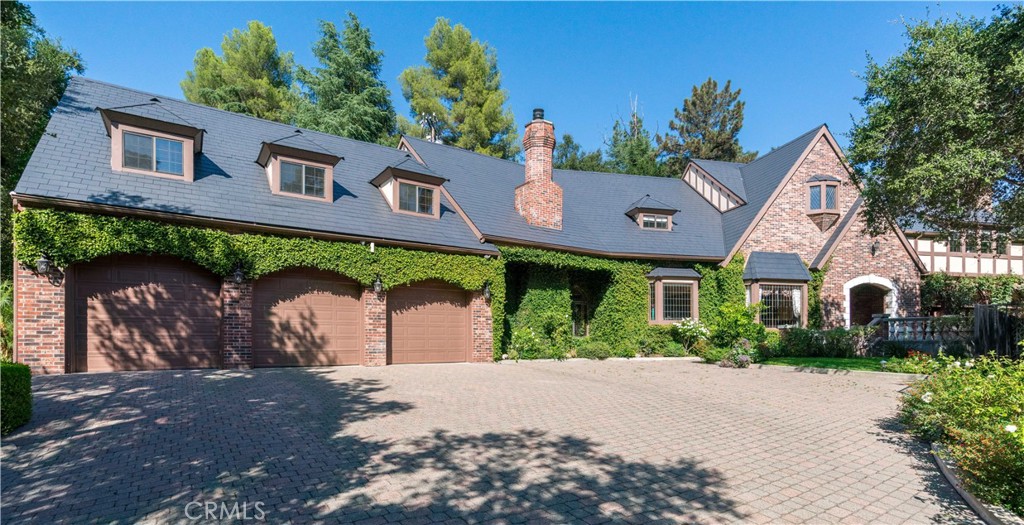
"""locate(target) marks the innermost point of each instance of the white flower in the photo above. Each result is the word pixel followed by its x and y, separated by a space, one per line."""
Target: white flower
pixel 927 397
pixel 956 364
pixel 1011 428
pixel 991 376
pixel 969 364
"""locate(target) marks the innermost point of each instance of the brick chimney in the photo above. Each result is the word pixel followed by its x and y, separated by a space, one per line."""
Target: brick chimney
pixel 539 199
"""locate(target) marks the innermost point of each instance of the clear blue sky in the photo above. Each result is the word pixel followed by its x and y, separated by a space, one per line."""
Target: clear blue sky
pixel 797 63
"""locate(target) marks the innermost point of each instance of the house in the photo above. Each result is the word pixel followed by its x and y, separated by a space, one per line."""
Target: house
pixel 354 253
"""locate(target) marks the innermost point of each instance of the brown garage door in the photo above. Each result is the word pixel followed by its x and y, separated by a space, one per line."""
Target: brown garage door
pixel 144 313
pixel 306 317
pixel 428 323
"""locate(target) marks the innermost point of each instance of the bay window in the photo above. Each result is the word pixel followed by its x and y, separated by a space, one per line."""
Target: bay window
pixel 672 300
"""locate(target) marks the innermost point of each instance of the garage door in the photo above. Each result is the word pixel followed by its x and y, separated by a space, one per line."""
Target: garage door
pixel 428 323
pixel 144 313
pixel 306 317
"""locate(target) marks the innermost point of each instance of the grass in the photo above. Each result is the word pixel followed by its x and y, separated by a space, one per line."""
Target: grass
pixel 838 363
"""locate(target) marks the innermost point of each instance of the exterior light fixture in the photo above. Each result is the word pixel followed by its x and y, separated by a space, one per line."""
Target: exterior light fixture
pixel 239 275
pixel 874 248
pixel 487 291
pixel 44 265
pixel 378 286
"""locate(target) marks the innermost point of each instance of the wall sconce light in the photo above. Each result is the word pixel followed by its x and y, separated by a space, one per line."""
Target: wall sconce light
pixel 874 248
pixel 378 286
pixel 44 265
pixel 487 291
pixel 239 275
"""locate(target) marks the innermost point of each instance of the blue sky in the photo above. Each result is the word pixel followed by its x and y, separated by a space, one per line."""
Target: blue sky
pixel 797 63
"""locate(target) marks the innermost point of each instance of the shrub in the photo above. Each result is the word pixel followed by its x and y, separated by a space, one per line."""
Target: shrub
pixel 892 349
pixel 736 322
pixel 6 320
pixel 15 396
pixel 802 342
pixel 689 333
pixel 837 342
pixel 915 363
pixel 656 340
pixel 976 408
pixel 771 346
pixel 675 350
pixel 594 350
pixel 712 354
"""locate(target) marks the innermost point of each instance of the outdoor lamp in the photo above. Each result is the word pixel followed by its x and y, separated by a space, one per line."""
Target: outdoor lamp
pixel 378 286
pixel 44 265
pixel 239 275
pixel 487 291
pixel 874 248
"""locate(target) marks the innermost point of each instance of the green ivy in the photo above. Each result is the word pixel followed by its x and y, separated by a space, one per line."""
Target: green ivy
pixel 720 286
pixel 68 238
pixel 815 315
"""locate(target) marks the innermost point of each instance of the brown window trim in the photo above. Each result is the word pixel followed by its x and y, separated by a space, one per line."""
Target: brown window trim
pixel 755 292
pixel 822 185
pixel 274 176
pixel 659 304
pixel 117 132
pixel 397 182
pixel 640 221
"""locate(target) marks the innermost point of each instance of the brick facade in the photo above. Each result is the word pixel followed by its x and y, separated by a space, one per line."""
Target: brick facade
pixel 539 199
pixel 483 329
pixel 786 227
pixel 375 328
pixel 39 321
pixel 236 324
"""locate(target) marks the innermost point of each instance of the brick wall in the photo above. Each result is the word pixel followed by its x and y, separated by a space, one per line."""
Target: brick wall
pixel 375 329
pixel 38 321
pixel 236 327
pixel 483 329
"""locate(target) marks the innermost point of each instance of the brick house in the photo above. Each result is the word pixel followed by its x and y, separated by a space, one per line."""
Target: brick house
pixel 114 151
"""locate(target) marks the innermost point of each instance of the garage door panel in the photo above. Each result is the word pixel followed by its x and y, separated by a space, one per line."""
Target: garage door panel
pixel 144 313
pixel 428 324
pixel 306 318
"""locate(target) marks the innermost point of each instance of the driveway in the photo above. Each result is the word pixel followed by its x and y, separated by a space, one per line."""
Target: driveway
pixel 577 441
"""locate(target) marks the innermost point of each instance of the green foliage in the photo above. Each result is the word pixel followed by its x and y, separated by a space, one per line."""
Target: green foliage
pixel 720 286
pixel 631 149
pixel 950 103
pixel 736 322
pixel 941 292
pixel 15 396
pixel 35 70
pixel 741 355
pixel 975 408
pixel 914 362
pixel 252 76
pixel 460 91
pixel 594 350
pixel 528 344
pixel 68 238
pixel 690 333
pixel 345 95
pixel 569 155
pixel 657 340
pixel 815 314
pixel 712 354
pixel 868 364
pixel 837 342
pixel 545 310
pixel 6 320
pixel 706 127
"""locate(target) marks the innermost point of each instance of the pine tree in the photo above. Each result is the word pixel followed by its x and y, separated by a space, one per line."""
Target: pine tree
pixel 252 76
pixel 460 87
pixel 345 95
pixel 707 127
pixel 631 148
pixel 569 155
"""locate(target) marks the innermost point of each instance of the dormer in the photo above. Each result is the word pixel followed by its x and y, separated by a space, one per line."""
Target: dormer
pixel 652 214
pixel 712 189
pixel 148 139
pixel 298 167
pixel 410 187
pixel 823 200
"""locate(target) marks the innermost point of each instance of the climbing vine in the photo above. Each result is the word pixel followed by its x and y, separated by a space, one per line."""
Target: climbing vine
pixel 815 315
pixel 68 238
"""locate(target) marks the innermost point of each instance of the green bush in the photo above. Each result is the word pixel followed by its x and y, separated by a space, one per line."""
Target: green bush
pixel 656 340
pixel 837 342
pixel 771 346
pixel 6 320
pixel 689 333
pixel 712 354
pixel 15 396
pixel 594 350
pixel 976 408
pixel 736 321
pixel 915 363
pixel 741 355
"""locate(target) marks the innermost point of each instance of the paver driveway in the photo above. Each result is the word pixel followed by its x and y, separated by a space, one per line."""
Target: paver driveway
pixel 564 442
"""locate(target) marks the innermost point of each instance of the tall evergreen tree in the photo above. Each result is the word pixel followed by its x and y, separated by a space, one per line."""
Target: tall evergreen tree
pixel 631 148
pixel 460 88
pixel 252 76
pixel 35 70
pixel 569 155
pixel 345 95
pixel 706 127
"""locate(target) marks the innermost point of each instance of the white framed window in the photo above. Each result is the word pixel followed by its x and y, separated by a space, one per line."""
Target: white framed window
pixel 651 221
pixel 151 153
pixel 414 198
pixel 303 179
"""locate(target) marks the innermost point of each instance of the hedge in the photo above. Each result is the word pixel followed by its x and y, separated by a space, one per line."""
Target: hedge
pixel 15 396
pixel 68 238
pixel 952 295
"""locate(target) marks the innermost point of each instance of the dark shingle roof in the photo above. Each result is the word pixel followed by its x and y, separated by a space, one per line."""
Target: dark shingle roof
pixel 72 161
pixel 688 273
pixel 775 266
pixel 649 203
pixel 728 173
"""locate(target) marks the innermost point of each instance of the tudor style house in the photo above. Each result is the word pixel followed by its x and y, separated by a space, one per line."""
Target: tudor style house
pixel 114 151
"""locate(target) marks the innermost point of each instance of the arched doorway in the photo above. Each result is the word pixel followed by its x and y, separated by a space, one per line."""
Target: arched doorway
pixel 867 296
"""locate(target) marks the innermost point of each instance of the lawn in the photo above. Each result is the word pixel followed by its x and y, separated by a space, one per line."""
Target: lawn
pixel 857 363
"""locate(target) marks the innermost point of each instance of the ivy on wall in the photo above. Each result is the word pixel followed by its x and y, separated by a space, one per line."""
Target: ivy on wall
pixel 68 238
pixel 815 314
pixel 720 286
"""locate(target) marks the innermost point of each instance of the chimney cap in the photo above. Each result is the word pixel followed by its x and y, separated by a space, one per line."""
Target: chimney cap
pixel 538 114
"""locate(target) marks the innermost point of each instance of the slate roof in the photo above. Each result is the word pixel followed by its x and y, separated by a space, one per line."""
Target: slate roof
pixel 72 161
pixel 770 266
pixel 675 272
pixel 650 203
pixel 728 173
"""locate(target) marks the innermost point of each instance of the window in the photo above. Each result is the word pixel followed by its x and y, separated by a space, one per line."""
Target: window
pixel 823 197
pixel 654 222
pixel 653 304
pixel 416 199
pixel 671 301
pixel 782 305
pixel 302 179
pixel 149 153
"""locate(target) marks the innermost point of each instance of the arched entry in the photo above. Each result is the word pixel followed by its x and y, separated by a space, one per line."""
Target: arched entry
pixel 867 296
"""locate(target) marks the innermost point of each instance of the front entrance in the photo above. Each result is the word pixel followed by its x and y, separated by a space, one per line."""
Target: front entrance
pixel 867 296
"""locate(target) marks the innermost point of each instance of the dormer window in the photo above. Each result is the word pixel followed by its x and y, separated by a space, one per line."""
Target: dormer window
pixel 141 143
pixel 650 221
pixel 302 179
pixel 298 167
pixel 415 198
pixel 410 187
pixel 823 200
pixel 149 153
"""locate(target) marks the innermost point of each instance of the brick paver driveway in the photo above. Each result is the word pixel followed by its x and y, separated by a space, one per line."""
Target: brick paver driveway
pixel 577 441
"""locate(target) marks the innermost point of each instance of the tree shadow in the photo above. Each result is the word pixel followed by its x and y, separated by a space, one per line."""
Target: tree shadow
pixel 122 199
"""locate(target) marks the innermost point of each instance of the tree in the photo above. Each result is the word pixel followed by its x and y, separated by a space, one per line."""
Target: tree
pixel 631 148
pixel 252 76
pixel 942 139
pixel 569 155
pixel 706 127
pixel 345 95
pixel 35 70
pixel 460 88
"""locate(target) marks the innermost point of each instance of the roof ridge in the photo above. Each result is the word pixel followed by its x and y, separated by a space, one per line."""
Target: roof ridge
pixel 802 135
